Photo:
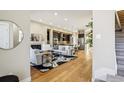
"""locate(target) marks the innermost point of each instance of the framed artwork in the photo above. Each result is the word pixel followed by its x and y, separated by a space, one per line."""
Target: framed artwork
pixel 36 37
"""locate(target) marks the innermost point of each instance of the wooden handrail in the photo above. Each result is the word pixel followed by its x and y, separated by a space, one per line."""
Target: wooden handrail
pixel 118 20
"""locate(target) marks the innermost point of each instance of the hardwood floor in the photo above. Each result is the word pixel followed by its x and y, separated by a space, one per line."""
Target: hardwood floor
pixel 77 70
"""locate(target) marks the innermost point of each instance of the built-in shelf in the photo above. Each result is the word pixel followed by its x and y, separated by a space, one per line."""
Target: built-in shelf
pixel 61 38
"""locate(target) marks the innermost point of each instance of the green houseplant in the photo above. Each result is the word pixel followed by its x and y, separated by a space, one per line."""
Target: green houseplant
pixel 89 35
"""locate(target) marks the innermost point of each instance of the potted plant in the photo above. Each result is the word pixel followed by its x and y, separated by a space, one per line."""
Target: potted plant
pixel 89 40
pixel 89 36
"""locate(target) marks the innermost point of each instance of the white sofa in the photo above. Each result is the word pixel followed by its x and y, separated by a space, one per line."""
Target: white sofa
pixel 35 56
pixel 66 50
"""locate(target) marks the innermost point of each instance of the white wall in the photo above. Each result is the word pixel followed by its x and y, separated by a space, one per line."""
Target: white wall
pixel 38 28
pixel 75 38
pixel 104 59
pixel 16 60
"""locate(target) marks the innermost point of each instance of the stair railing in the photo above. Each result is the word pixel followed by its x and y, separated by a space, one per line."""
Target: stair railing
pixel 118 20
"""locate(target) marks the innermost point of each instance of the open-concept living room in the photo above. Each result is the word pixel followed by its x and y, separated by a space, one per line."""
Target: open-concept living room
pixel 60 41
pixel 46 45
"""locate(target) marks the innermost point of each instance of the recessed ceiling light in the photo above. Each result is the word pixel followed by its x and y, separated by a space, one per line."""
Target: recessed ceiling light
pixel 66 19
pixel 64 27
pixel 55 13
pixel 50 23
pixel 41 20
pixel 58 25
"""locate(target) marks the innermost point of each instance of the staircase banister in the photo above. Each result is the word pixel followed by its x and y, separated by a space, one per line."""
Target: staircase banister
pixel 118 21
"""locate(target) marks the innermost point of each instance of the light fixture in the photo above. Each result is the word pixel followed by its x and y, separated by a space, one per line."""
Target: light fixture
pixel 41 20
pixel 50 23
pixel 64 27
pixel 55 13
pixel 66 19
pixel 58 26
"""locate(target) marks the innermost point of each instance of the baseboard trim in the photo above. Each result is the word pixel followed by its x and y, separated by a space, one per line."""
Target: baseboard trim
pixel 102 74
pixel 26 80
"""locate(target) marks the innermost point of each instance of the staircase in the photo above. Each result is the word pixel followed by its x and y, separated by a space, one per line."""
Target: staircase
pixel 119 46
pixel 119 43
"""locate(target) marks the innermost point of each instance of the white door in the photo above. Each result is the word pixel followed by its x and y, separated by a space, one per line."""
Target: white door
pixel 4 35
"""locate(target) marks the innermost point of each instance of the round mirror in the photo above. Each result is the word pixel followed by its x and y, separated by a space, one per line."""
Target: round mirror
pixel 10 34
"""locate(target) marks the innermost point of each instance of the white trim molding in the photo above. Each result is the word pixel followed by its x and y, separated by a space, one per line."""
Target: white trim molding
pixel 102 73
pixel 26 80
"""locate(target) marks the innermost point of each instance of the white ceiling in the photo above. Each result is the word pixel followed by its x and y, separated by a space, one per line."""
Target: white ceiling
pixel 67 19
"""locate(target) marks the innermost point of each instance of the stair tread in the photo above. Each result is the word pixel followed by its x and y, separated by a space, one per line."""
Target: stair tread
pixel 120 66
pixel 120 57
pixel 119 38
pixel 116 78
pixel 120 63
pixel 116 33
pixel 119 32
pixel 119 43
pixel 120 49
